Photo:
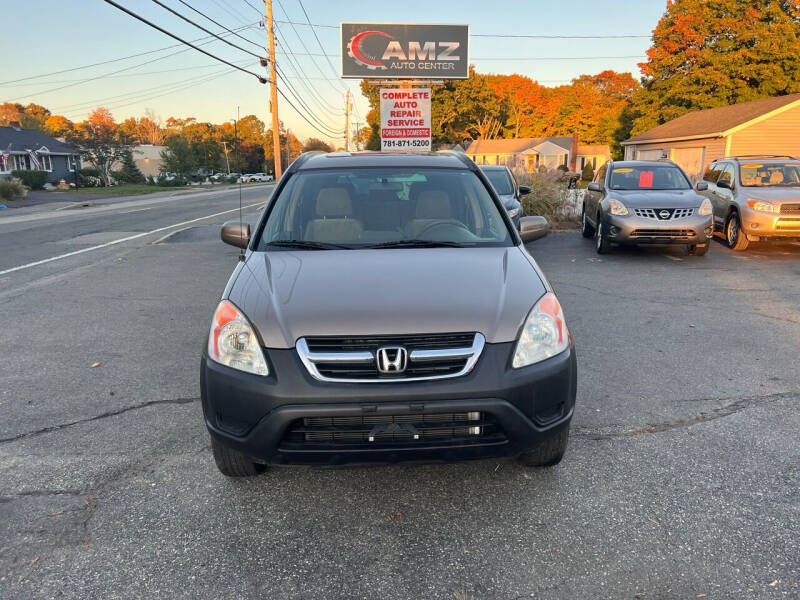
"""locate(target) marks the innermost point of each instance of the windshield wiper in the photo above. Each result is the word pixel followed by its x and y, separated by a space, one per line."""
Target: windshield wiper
pixel 418 244
pixel 307 245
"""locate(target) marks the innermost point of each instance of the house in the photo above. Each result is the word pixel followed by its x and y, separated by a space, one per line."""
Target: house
pixel 148 158
pixel 34 150
pixel 532 153
pixel 766 126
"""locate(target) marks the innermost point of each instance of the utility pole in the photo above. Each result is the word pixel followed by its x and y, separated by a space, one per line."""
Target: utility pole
pixel 288 157
pixel 227 162
pixel 273 93
pixel 358 135
pixel 347 107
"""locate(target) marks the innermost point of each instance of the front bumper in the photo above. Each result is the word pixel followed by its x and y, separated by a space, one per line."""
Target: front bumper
pixel 255 414
pixel 630 229
pixel 770 225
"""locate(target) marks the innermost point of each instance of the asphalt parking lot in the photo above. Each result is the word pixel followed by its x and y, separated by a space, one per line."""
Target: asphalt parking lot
pixel 681 480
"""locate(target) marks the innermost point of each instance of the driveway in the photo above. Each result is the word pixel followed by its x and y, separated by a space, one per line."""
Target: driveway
pixel 681 480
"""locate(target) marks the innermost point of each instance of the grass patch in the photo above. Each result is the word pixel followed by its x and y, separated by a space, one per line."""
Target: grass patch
pixel 135 189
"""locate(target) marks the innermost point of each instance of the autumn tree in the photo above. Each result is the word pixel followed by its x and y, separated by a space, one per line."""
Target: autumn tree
pixel 316 144
pixel 150 130
pixel 708 54
pixel 98 141
pixel 58 126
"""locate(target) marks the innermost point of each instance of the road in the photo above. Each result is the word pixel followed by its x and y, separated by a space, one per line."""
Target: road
pixel 681 480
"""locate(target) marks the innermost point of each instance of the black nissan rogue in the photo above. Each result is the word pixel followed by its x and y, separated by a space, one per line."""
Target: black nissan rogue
pixel 386 310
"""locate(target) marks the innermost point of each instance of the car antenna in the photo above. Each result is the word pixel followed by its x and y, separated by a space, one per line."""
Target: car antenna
pixel 238 164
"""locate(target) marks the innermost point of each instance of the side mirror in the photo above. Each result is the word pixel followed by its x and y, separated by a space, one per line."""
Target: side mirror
pixel 594 187
pixel 533 228
pixel 701 186
pixel 724 183
pixel 524 190
pixel 235 234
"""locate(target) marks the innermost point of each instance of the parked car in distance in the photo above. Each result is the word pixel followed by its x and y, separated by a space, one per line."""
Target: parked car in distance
pixel 755 198
pixel 646 202
pixel 386 309
pixel 505 184
pixel 256 178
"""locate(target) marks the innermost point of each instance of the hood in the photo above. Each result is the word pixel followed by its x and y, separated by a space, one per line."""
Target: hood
pixel 509 201
pixel 658 198
pixel 291 294
pixel 771 194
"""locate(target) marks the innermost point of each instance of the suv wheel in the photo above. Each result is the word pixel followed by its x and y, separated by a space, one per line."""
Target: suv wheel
pixel 233 463
pixel 586 229
pixel 548 453
pixel 736 238
pixel 602 245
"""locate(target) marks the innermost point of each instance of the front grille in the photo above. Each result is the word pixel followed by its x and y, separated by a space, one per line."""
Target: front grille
pixel 662 233
pixel 372 343
pixel 393 430
pixel 788 223
pixel 790 208
pixel 655 213
pixel 354 359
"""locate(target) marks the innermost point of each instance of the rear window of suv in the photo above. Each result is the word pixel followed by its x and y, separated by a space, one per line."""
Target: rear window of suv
pixel 367 207
pixel 648 177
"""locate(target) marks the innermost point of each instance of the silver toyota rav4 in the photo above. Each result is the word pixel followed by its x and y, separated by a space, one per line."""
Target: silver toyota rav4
pixel 755 198
pixel 386 310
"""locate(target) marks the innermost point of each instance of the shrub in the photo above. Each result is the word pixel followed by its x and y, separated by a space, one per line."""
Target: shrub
pixel 563 168
pixel 176 182
pixel 35 180
pixel 548 198
pixel 11 189
pixel 588 173
pixel 129 173
pixel 89 178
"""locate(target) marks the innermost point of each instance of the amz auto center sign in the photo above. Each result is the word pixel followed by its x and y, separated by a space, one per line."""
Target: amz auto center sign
pixel 405 51
pixel 406 119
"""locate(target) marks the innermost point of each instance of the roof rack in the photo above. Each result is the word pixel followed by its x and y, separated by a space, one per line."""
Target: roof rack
pixel 738 156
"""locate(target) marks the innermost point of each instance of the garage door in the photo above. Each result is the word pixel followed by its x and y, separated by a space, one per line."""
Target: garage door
pixel 649 154
pixel 690 160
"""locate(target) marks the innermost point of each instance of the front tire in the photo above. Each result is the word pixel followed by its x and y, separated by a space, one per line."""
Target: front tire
pixel 734 235
pixel 586 229
pixel 548 453
pixel 602 245
pixel 233 463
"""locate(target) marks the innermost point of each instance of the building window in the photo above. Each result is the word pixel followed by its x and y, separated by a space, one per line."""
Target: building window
pixel 72 163
pixel 497 159
pixel 45 163
pixel 594 162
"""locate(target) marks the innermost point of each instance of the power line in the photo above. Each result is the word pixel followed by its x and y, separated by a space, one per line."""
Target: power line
pixel 316 37
pixel 332 130
pixel 172 35
pixel 188 20
pixel 506 35
pixel 253 7
pixel 231 11
pixel 113 60
pixel 518 57
pixel 119 76
pixel 217 23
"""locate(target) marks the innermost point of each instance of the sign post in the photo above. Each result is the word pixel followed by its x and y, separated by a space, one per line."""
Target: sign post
pixel 406 119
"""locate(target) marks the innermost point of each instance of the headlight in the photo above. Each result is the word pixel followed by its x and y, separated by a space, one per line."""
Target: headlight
pixel 617 207
pixel 762 206
pixel 513 212
pixel 705 208
pixel 544 333
pixel 233 342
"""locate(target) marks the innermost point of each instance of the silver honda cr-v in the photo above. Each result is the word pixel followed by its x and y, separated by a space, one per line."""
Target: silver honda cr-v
pixel 385 310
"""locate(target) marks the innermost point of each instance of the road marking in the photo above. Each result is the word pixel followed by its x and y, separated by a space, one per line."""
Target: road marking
pixel 669 256
pixel 127 212
pixel 121 240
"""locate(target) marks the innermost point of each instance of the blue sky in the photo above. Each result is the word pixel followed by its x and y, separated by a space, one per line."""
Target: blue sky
pixel 50 35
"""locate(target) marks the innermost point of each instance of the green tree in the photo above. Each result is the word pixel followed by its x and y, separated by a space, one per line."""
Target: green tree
pixel 316 144
pixel 588 173
pixel 708 54
pixel 178 157
pixel 129 173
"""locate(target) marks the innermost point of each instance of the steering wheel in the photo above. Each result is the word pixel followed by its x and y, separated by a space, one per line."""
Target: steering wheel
pixel 435 224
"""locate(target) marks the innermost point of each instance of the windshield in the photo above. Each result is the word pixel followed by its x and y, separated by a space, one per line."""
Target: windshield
pixel 500 180
pixel 649 177
pixel 383 207
pixel 772 174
